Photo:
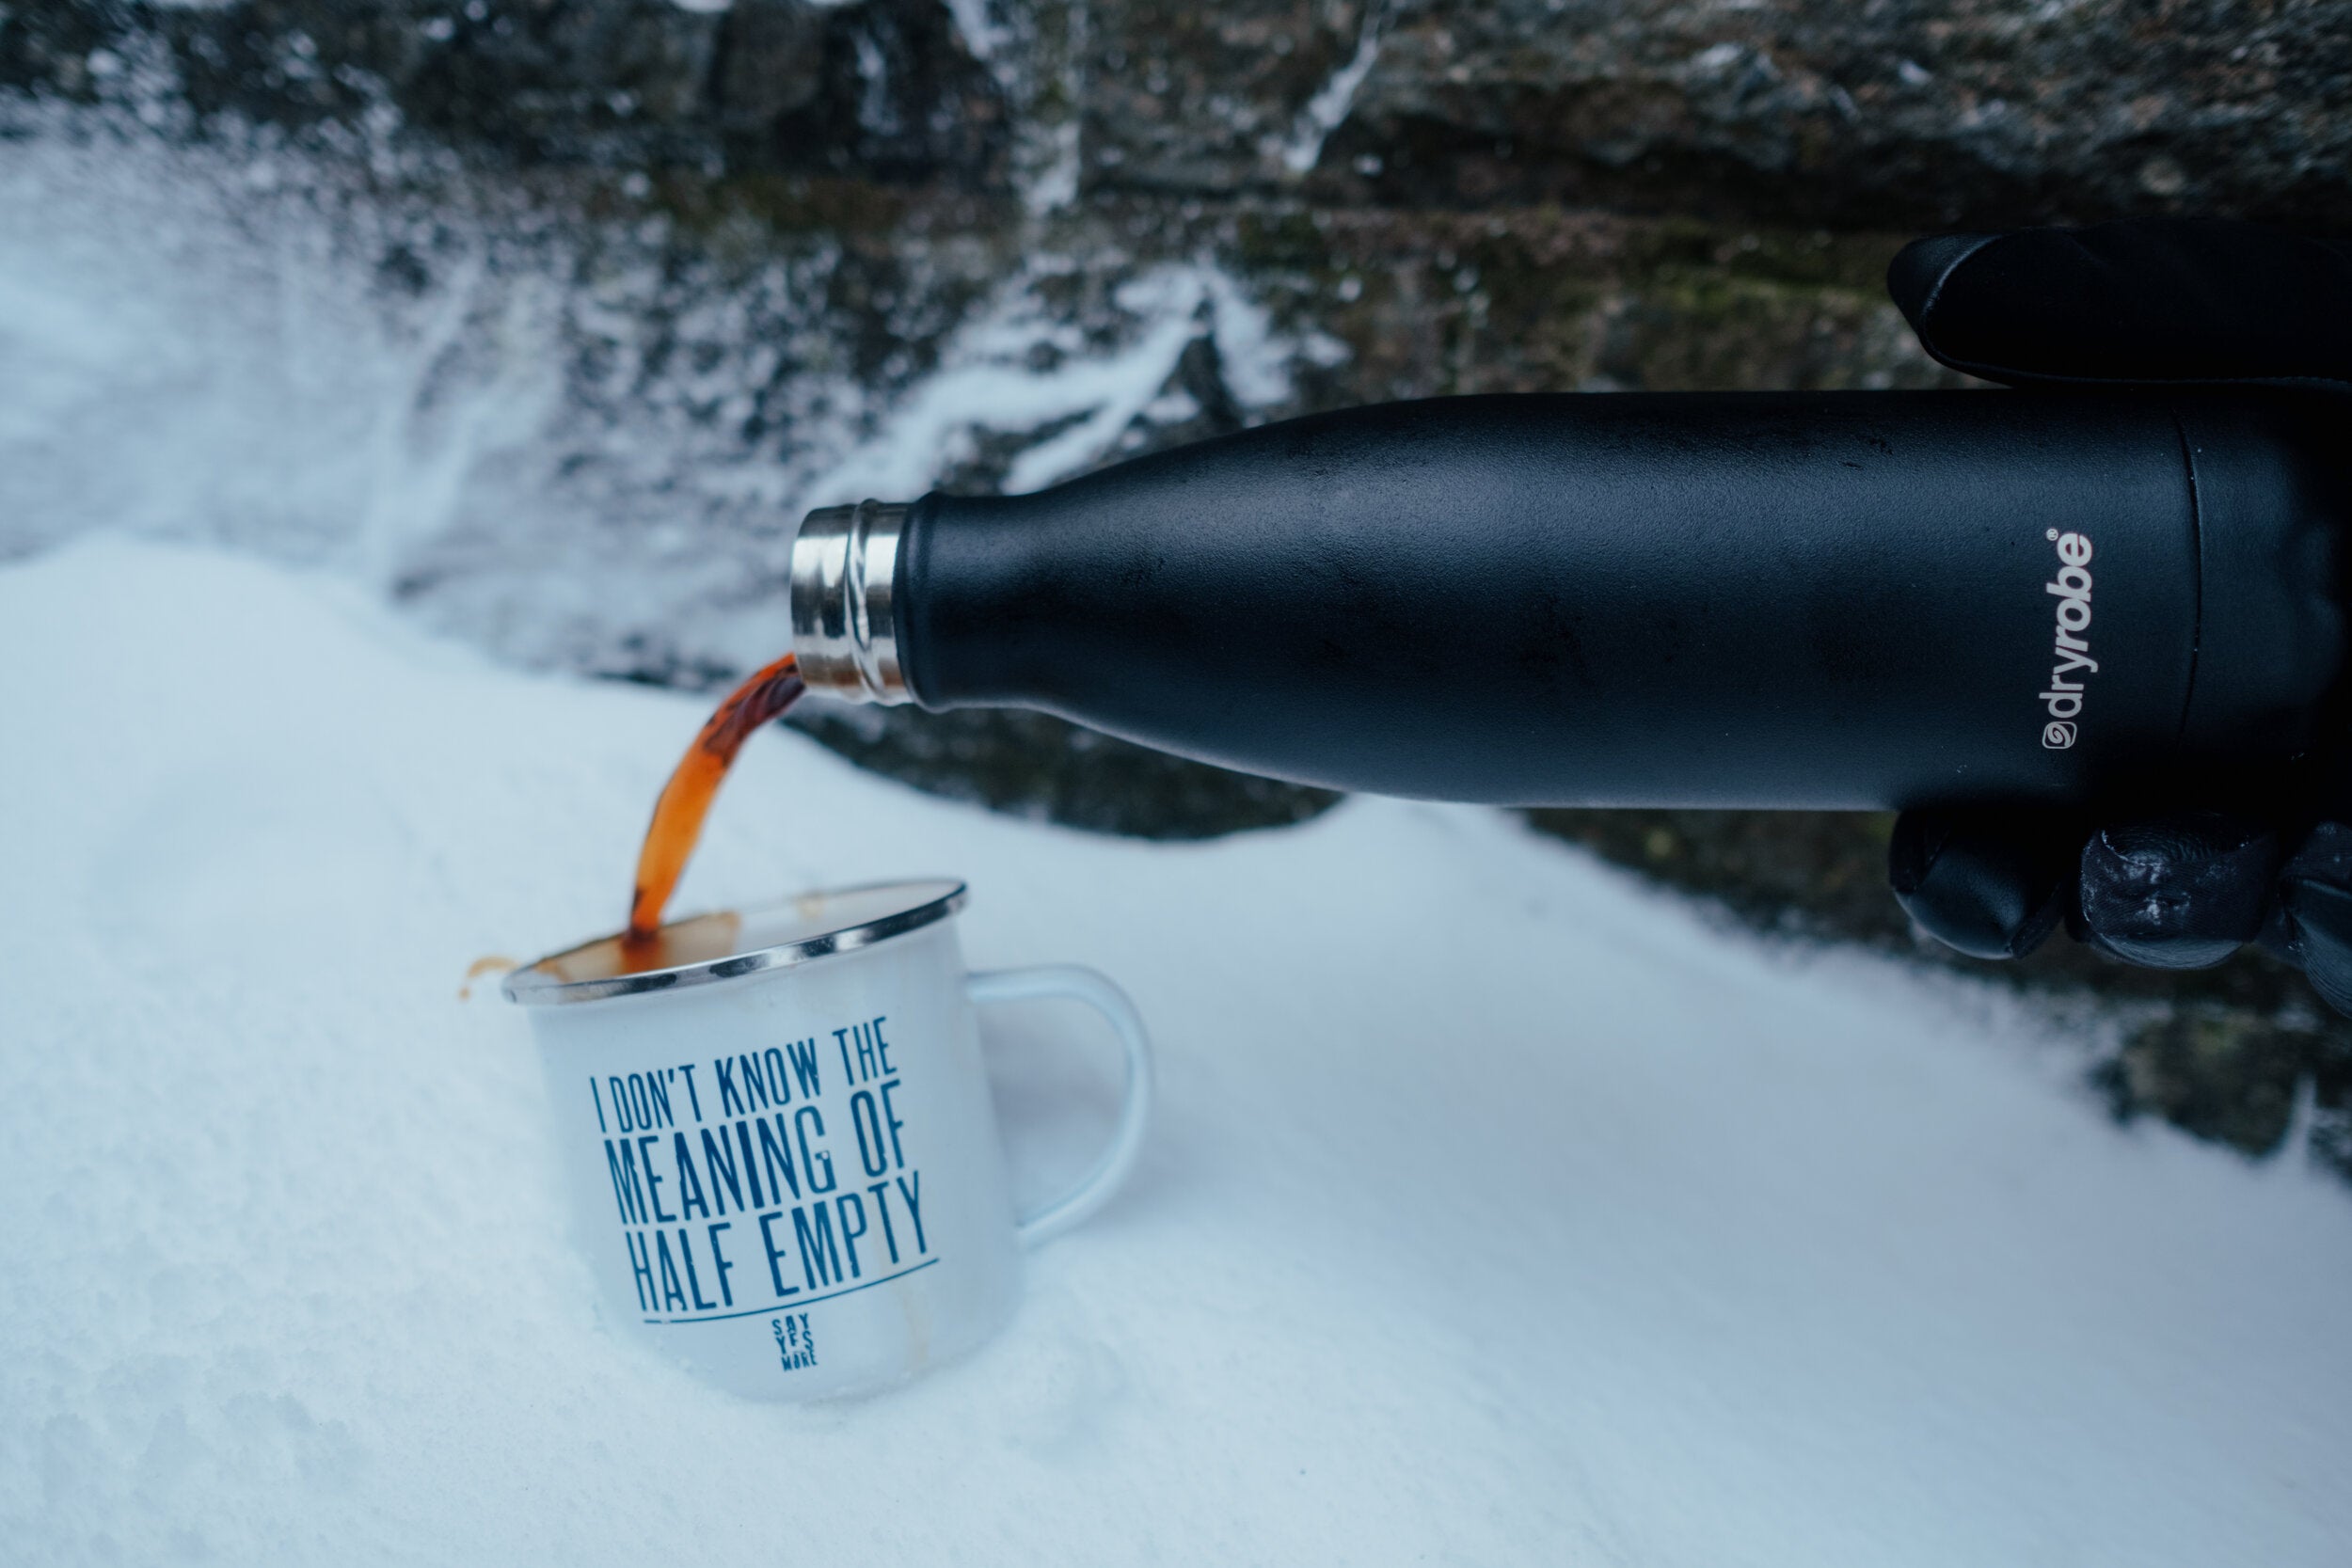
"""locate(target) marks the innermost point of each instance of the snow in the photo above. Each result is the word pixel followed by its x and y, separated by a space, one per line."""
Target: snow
pixel 986 382
pixel 1327 109
pixel 981 35
pixel 241 343
pixel 1497 1211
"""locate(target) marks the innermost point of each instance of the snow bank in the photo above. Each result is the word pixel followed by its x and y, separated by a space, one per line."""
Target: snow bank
pixel 1497 1210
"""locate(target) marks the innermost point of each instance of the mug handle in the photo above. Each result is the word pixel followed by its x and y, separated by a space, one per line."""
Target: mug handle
pixel 1095 1187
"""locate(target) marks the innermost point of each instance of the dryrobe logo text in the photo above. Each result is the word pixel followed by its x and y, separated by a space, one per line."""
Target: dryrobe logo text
pixel 2070 648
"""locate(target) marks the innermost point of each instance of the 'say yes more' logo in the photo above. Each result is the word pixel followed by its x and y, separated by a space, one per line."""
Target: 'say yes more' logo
pixel 2070 644
pixel 795 1344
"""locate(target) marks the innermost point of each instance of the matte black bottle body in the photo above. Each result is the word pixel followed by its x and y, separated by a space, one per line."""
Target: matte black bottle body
pixel 1837 599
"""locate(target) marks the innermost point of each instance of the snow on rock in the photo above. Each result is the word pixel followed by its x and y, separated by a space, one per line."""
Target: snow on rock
pixel 1497 1211
pixel 241 346
pixel 987 383
pixel 1324 113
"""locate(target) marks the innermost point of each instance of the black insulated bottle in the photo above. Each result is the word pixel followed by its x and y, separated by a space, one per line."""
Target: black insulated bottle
pixel 1854 599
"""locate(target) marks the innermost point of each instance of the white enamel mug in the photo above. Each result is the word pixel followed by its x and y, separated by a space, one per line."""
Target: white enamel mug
pixel 785 1167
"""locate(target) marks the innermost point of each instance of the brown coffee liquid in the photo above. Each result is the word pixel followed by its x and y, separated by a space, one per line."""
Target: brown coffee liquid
pixel 677 815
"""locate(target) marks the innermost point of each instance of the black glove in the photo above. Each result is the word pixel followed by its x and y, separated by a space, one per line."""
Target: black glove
pixel 2144 303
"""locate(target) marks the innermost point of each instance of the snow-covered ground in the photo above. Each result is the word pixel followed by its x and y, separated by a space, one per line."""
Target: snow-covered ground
pixel 1498 1210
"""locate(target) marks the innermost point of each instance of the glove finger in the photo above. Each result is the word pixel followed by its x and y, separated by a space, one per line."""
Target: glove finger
pixel 2313 926
pixel 2143 300
pixel 2181 891
pixel 1988 882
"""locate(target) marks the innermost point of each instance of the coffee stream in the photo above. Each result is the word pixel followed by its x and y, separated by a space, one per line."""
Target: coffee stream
pixel 677 815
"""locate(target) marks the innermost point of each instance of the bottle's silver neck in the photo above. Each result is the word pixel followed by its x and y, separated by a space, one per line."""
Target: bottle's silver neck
pixel 844 628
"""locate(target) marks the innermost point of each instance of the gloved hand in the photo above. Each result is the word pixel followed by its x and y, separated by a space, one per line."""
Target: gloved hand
pixel 2142 303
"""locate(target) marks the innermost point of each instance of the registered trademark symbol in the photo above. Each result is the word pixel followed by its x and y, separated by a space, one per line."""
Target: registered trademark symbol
pixel 2051 535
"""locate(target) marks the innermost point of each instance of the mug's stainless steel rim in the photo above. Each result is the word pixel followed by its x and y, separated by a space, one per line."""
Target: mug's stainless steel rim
pixel 536 984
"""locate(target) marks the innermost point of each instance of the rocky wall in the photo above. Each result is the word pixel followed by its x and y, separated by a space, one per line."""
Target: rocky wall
pixel 1886 114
